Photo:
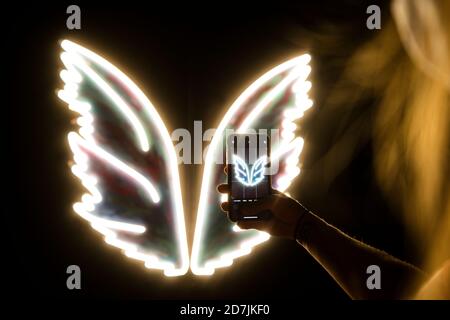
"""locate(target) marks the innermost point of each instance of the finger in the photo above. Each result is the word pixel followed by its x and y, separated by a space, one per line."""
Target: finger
pixel 248 224
pixel 225 206
pixel 223 188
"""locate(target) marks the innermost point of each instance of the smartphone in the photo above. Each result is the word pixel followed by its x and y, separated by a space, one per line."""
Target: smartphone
pixel 248 160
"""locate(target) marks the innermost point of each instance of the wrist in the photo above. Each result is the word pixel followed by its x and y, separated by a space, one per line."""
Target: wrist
pixel 300 225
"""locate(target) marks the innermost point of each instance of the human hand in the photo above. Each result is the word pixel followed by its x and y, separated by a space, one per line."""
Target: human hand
pixel 286 213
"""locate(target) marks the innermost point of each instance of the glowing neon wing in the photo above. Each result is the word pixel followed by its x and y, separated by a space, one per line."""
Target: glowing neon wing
pixel 242 173
pixel 274 101
pixel 257 172
pixel 124 158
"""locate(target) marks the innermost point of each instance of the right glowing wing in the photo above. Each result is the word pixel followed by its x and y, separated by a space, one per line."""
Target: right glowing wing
pixel 257 172
pixel 125 159
pixel 274 101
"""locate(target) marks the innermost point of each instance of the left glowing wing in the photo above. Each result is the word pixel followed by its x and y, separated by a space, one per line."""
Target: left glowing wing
pixel 274 101
pixel 125 159
pixel 241 171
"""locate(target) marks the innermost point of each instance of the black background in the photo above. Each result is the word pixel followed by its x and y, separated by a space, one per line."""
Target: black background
pixel 192 62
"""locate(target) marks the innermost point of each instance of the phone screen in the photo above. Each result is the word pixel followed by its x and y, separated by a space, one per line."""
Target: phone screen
pixel 248 158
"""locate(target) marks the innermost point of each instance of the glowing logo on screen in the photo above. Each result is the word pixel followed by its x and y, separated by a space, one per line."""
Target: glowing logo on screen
pixel 249 177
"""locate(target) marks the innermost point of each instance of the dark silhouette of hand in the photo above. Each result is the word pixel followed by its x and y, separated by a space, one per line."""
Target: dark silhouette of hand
pixel 286 213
